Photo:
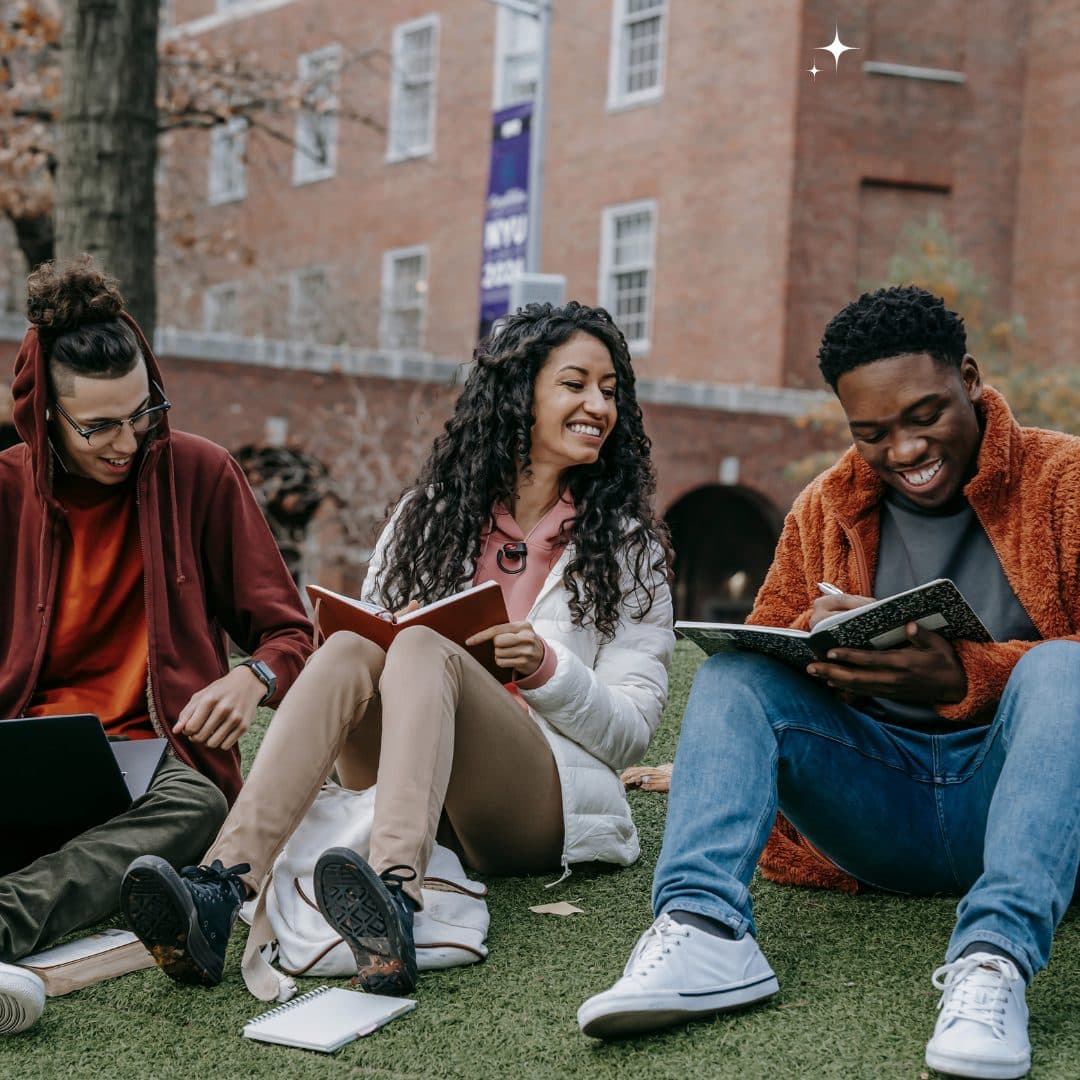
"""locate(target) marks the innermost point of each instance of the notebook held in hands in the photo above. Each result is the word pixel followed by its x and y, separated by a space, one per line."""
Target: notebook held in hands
pixel 938 605
pixel 456 617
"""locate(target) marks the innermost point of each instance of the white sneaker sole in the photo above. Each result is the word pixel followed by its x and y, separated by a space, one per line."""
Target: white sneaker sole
pixel 22 999
pixel 616 1016
pixel 964 1065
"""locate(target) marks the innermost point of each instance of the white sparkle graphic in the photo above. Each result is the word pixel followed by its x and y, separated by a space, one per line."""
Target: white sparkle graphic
pixel 836 47
pixel 813 71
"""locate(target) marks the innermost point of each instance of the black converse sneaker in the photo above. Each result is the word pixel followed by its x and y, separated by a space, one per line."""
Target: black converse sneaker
pixel 183 918
pixel 373 916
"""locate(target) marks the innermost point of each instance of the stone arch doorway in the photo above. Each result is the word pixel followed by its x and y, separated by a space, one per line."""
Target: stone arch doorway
pixel 724 537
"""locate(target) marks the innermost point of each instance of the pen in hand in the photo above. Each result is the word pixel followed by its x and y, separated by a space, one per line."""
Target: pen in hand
pixel 829 590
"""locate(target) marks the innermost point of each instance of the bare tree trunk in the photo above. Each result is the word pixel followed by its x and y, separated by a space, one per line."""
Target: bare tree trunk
pixel 108 143
pixel 35 238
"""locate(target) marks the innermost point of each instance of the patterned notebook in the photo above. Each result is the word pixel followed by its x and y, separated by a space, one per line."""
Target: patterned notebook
pixel 937 605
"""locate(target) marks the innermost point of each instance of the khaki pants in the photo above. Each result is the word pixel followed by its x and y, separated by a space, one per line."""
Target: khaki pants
pixel 434 729
pixel 79 885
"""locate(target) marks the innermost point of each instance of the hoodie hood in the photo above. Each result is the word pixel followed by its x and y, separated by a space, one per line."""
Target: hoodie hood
pixel 30 390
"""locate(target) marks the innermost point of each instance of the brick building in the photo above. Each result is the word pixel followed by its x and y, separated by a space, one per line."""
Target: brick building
pixel 700 182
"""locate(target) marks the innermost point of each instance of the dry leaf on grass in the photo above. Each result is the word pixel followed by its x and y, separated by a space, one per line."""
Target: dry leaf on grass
pixel 561 908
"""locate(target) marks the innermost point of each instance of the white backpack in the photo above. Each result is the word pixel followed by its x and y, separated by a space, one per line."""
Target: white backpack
pixel 288 929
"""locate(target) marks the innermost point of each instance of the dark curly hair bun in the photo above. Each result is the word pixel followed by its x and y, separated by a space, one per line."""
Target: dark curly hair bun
pixel 76 309
pixel 63 299
pixel 890 322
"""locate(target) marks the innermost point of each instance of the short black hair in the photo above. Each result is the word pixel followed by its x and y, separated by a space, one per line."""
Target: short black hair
pixel 890 322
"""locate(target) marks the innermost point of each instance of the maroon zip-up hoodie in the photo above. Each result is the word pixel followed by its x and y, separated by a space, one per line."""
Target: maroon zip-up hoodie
pixel 210 567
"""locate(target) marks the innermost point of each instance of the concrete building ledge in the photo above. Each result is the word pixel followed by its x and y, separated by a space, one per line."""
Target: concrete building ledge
pixel 910 71
pixel 424 367
pixel 244 9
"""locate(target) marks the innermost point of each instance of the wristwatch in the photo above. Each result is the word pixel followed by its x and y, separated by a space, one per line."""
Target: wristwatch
pixel 262 671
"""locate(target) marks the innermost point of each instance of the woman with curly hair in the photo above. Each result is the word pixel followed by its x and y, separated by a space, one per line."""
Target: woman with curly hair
pixel 542 482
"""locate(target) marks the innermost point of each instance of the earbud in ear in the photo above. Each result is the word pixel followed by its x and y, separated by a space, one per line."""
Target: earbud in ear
pixel 48 414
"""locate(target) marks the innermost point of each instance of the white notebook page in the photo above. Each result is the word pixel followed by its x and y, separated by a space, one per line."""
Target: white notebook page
pixel 326 1019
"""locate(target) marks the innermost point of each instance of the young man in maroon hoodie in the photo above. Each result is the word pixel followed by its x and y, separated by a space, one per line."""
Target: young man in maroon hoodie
pixel 130 552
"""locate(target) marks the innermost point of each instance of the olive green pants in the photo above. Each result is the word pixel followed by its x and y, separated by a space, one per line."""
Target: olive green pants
pixel 79 885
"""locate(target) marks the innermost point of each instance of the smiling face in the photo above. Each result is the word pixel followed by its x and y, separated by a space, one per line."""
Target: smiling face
pixel 573 404
pixel 914 422
pixel 90 402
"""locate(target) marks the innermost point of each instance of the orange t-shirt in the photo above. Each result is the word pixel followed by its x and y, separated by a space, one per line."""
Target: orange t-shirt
pixel 96 654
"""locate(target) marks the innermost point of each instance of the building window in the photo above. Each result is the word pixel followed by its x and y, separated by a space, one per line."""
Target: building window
pixel 517 57
pixel 307 304
pixel 627 269
pixel 315 156
pixel 404 298
pixel 221 309
pixel 636 72
pixel 412 92
pixel 228 157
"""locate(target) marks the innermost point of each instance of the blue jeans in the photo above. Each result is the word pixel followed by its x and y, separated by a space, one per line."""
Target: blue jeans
pixel 991 812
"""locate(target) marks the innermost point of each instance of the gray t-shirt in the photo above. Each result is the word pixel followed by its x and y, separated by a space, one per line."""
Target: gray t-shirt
pixel 919 545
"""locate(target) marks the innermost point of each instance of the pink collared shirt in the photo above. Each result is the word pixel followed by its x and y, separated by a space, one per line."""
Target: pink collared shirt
pixel 520 590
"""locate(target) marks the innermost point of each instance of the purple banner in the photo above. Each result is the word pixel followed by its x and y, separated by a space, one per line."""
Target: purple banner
pixel 506 213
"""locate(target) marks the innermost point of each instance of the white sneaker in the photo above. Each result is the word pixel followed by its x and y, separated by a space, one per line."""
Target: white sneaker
pixel 22 999
pixel 678 973
pixel 982 1029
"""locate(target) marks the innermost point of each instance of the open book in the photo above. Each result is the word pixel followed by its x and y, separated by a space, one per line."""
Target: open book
pixel 88 960
pixel 937 605
pixel 326 1019
pixel 456 617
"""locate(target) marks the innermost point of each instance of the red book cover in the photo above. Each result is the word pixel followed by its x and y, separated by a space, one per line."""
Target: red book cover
pixel 456 617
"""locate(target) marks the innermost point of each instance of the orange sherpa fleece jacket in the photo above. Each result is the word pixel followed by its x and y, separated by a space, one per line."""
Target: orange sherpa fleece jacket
pixel 1026 494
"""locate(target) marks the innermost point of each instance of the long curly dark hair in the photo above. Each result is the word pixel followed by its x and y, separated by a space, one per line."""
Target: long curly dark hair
pixel 476 462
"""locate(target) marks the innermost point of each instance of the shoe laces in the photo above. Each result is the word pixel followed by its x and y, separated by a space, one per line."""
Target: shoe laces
pixel 976 988
pixel 657 942
pixel 393 879
pixel 206 882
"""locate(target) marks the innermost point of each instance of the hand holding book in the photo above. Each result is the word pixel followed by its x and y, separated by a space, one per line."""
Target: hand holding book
pixel 517 646
pixel 927 672
pixel 897 647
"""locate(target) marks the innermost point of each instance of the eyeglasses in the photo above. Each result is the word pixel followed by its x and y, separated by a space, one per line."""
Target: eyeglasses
pixel 141 422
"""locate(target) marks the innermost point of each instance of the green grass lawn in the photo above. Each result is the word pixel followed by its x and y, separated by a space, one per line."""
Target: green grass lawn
pixel 855 997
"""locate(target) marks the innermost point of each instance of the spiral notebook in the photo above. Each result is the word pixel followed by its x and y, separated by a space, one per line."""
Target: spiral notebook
pixel 326 1019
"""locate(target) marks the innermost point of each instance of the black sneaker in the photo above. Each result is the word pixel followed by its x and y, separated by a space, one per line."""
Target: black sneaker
pixel 373 916
pixel 183 918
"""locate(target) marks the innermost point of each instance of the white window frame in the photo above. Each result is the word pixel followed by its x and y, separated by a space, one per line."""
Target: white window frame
pixel 298 332
pixel 212 303
pixel 621 20
pixel 504 21
pixel 394 151
pixel 391 257
pixel 306 168
pixel 230 139
pixel 227 5
pixel 606 291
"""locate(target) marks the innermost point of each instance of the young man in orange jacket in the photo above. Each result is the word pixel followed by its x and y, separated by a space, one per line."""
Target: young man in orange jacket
pixel 937 767
pixel 130 552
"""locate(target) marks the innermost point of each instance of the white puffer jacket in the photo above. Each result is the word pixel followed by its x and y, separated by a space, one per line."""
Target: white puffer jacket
pixel 598 711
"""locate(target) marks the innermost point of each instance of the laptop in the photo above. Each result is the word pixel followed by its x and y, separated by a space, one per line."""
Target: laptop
pixel 62 777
